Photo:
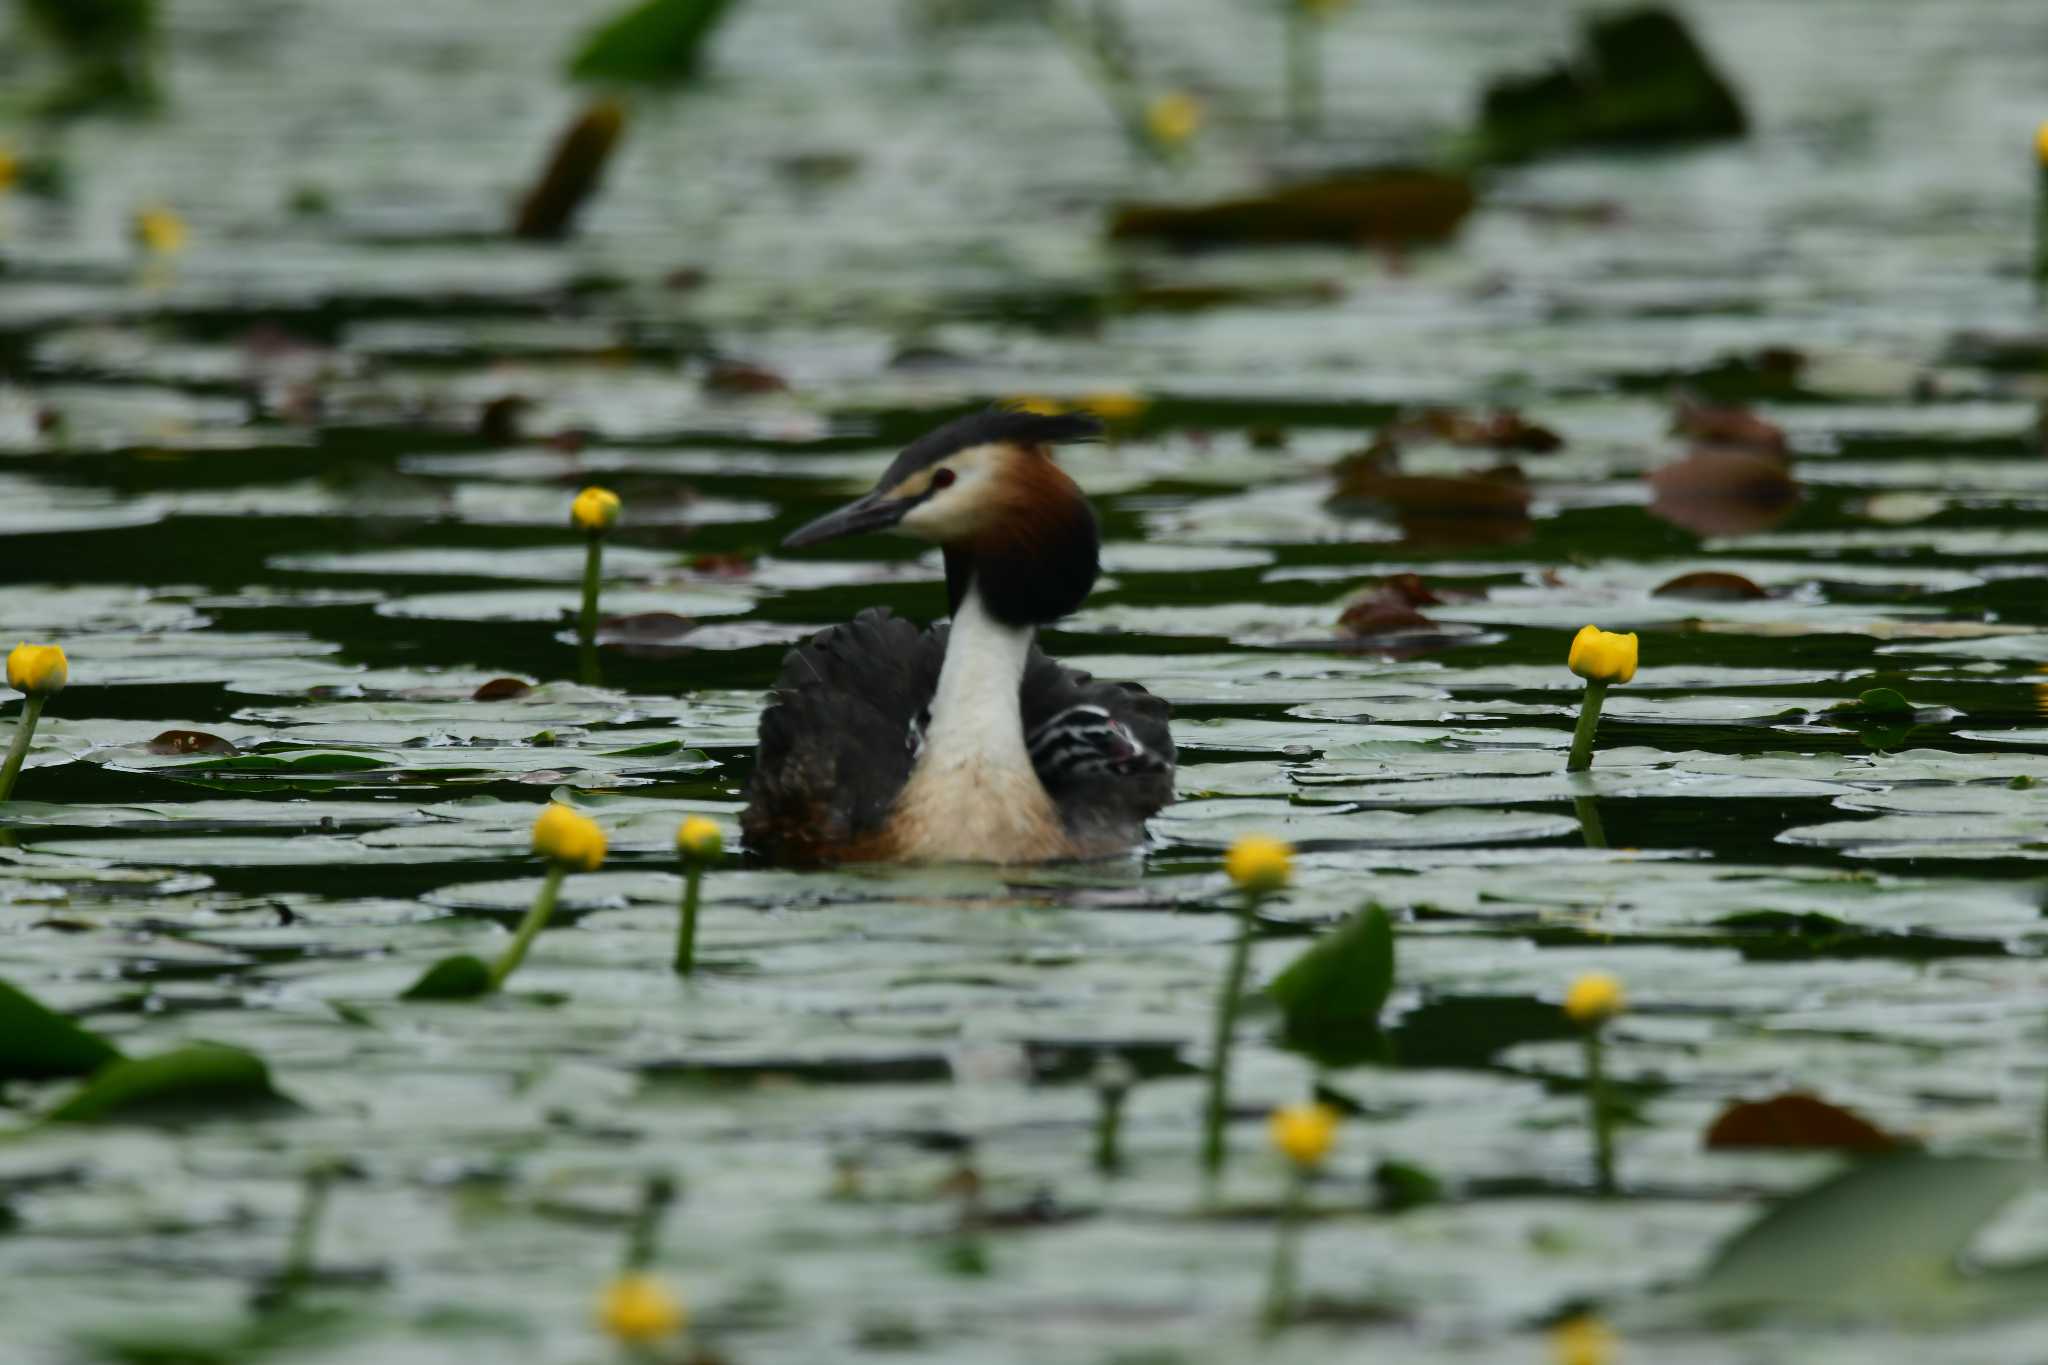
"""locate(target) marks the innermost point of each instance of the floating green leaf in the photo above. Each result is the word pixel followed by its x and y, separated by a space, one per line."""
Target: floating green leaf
pixel 1878 702
pixel 1330 997
pixel 197 1081
pixel 656 43
pixel 37 1043
pixel 1885 1234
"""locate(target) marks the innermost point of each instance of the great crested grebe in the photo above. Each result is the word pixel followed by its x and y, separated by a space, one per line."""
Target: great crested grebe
pixel 883 742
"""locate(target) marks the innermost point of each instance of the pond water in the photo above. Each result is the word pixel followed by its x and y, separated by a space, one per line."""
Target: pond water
pixel 250 489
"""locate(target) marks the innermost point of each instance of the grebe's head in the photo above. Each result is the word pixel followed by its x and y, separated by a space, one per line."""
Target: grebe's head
pixel 985 488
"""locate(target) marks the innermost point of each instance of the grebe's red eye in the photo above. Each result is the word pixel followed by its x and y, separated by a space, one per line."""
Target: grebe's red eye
pixel 942 478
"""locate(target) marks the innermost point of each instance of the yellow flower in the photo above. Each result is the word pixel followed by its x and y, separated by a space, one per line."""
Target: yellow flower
pixel 699 840
pixel 1258 864
pixel 1304 1133
pixel 639 1309
pixel 1583 1340
pixel 1601 656
pixel 1036 403
pixel 1173 119
pixel 1115 405
pixel 159 230
pixel 1594 998
pixel 38 670
pixel 2041 143
pixel 562 836
pixel 10 169
pixel 595 510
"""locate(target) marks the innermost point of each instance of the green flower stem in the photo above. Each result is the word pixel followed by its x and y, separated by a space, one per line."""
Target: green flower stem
pixel 24 735
pixel 530 927
pixel 298 1260
pixel 1227 1005
pixel 586 622
pixel 686 934
pixel 1089 45
pixel 1587 808
pixel 1589 722
pixel 1286 1253
pixel 1109 1125
pixel 1304 70
pixel 1597 1116
pixel 2040 231
pixel 655 1197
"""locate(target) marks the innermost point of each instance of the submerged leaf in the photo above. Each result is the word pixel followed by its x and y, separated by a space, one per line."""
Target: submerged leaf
pixel 37 1043
pixel 197 1081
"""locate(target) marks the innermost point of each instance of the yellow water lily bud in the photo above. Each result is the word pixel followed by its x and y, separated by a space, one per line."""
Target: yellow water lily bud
pixel 1259 864
pixel 38 670
pixel 1303 1133
pixel 700 840
pixel 1172 119
pixel 1115 405
pixel 1037 404
pixel 1602 656
pixel 1595 998
pixel 563 836
pixel 2041 143
pixel 639 1310
pixel 159 230
pixel 1582 1340
pixel 595 510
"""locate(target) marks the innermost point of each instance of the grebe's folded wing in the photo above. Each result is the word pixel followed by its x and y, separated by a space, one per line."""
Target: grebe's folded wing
pixel 1104 750
pixel 838 737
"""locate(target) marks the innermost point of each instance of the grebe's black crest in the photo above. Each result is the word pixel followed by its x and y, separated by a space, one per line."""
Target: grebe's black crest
pixel 964 742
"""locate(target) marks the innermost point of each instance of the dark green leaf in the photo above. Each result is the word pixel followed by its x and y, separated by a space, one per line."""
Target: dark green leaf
pixel 1878 701
pixel 37 1043
pixel 200 1080
pixel 321 762
pixel 1402 1186
pixel 1330 997
pixel 656 43
pixel 461 977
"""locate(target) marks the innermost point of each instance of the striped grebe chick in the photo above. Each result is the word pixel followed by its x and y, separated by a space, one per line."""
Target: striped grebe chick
pixel 883 742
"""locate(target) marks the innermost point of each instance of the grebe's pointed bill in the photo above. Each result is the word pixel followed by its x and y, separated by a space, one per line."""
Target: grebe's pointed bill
pixel 875 512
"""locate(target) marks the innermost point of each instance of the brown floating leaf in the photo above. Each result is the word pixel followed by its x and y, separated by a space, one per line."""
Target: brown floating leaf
pixel 498 422
pixel 1379 207
pixel 1729 426
pixel 172 742
pixel 1379 614
pixel 1496 494
pixel 1711 586
pixel 1796 1119
pixel 647 627
pixel 738 376
pixel 1502 430
pixel 729 565
pixel 1714 492
pixel 502 689
pixel 572 173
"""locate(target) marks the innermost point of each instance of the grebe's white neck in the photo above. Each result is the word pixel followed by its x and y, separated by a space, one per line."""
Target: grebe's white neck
pixel 973 795
pixel 977 713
